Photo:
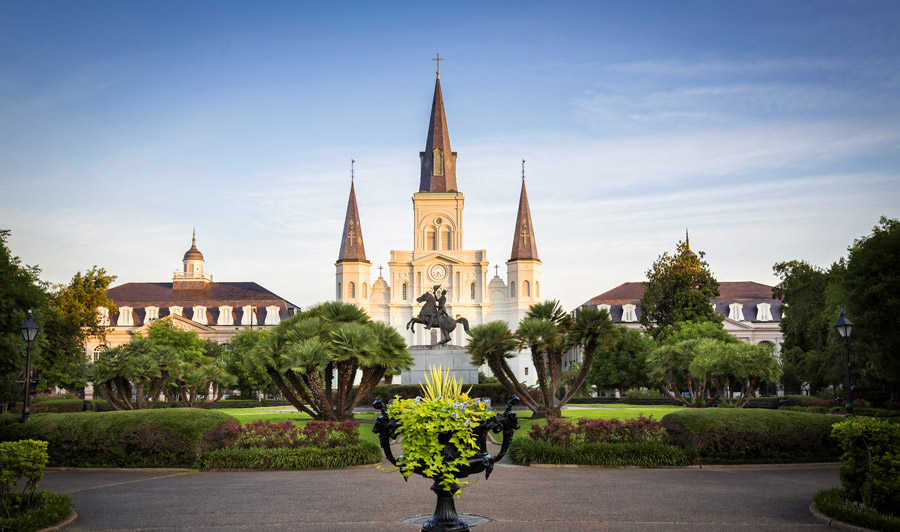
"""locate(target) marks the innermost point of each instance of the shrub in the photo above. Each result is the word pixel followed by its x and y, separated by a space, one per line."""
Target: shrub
pixel 836 504
pixel 298 458
pixel 268 435
pixel 19 460
pixel 525 451
pixel 727 436
pixel 135 438
pixel 870 465
pixel 644 394
pixel 891 405
pixel 59 406
pixel 564 433
pixel 47 509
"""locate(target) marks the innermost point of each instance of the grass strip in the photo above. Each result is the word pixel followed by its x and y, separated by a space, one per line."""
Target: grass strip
pixel 834 504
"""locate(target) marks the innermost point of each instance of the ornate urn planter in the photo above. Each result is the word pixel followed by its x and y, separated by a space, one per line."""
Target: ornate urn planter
pixel 445 485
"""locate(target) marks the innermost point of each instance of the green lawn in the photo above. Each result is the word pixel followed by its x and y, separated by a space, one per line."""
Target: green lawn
pixel 249 415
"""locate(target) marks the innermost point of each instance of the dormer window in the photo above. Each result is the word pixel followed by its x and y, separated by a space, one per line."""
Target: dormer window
pixel 763 312
pixel 225 316
pixel 102 316
pixel 605 307
pixel 736 312
pixel 272 315
pixel 125 318
pixel 628 313
pixel 200 315
pixel 176 311
pixel 151 314
pixel 249 316
pixel 438 162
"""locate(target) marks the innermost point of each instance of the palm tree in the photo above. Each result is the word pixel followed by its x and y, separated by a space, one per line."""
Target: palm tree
pixel 492 343
pixel 593 330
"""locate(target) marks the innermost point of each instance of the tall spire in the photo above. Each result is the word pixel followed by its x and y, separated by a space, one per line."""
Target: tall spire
pixel 438 161
pixel 524 247
pixel 687 243
pixel 352 248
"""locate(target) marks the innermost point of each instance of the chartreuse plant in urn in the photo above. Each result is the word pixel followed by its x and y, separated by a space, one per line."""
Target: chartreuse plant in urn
pixel 438 429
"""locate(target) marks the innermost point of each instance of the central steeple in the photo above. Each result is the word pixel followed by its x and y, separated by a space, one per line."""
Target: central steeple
pixel 438 161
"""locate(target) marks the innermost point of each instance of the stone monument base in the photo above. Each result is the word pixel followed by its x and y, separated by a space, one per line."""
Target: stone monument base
pixel 452 357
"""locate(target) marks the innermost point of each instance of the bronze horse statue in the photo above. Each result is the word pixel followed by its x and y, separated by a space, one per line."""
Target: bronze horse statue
pixel 432 316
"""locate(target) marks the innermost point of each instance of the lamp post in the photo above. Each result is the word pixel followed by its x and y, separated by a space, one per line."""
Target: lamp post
pixel 843 327
pixel 29 332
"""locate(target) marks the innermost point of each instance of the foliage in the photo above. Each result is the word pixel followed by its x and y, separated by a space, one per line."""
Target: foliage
pixel 170 364
pixel 679 288
pixel 697 361
pixel 836 504
pixel 366 452
pixel 727 436
pixel 429 425
pixel 870 465
pixel 72 318
pixel 20 290
pixel 526 451
pixel 563 432
pixel 285 435
pixel 47 509
pixel 171 437
pixel 21 460
pixel 303 353
pixel 251 378
pixel 872 289
pixel 643 394
pixel 548 333
pixel 811 356
pixel 624 365
pixel 494 393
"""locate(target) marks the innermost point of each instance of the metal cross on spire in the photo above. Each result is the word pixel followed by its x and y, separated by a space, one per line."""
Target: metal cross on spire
pixel 379 271
pixel 352 162
pixel 497 271
pixel 523 169
pixel 438 60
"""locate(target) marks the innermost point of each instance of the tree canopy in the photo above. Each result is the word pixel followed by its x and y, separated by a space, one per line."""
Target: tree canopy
pixel 304 353
pixel 624 365
pixel 679 288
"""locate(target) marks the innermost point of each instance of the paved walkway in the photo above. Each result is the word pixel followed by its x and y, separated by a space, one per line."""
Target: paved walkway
pixel 517 499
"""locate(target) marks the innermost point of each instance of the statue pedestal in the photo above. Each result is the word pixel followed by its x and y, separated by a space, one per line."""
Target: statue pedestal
pixel 452 357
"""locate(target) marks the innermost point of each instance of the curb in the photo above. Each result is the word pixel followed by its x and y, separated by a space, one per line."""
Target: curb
pixel 834 523
pixel 61 526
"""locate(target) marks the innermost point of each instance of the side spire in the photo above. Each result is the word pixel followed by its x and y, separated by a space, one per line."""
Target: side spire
pixel 352 248
pixel 524 247
pixel 438 160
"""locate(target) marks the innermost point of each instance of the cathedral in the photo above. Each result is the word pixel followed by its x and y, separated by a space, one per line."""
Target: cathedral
pixel 439 260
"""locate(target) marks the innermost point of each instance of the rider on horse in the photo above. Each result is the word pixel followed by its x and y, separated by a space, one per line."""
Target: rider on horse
pixel 439 310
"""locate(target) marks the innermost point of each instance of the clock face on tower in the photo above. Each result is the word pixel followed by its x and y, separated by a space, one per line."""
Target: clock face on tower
pixel 438 272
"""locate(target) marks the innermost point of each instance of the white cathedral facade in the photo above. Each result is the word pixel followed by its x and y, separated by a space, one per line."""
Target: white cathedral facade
pixel 439 257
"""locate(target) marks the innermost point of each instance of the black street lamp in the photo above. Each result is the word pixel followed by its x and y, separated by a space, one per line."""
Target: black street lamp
pixel 843 327
pixel 29 332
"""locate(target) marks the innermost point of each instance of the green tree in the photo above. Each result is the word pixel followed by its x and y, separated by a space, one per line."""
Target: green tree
pixel 809 294
pixel 20 290
pixel 679 288
pixel 872 292
pixel 303 354
pixel 624 365
pixel 72 318
pixel 492 343
pixel 251 378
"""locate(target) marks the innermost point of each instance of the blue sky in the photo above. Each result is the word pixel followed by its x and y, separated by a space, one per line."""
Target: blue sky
pixel 769 128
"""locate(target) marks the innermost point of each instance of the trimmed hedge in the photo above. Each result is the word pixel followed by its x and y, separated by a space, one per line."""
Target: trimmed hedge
pixel 740 436
pixel 249 403
pixel 525 451
pixel 298 458
pixel 133 438
pixel 61 406
pixel 624 401
pixel 837 505
pixel 47 509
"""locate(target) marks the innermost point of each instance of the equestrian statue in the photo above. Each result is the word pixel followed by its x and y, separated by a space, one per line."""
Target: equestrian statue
pixel 433 314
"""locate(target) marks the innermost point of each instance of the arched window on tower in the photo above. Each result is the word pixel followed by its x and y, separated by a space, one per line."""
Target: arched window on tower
pixel 512 289
pixel 537 289
pixel 97 350
pixel 404 293
pixel 526 289
pixel 365 291
pixel 351 290
pixel 472 291
pixel 339 293
pixel 433 237
pixel 447 239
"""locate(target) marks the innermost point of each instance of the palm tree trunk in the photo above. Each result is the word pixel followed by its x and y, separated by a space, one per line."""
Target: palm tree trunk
pixel 539 361
pixel 586 364
pixel 288 394
pixel 369 380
